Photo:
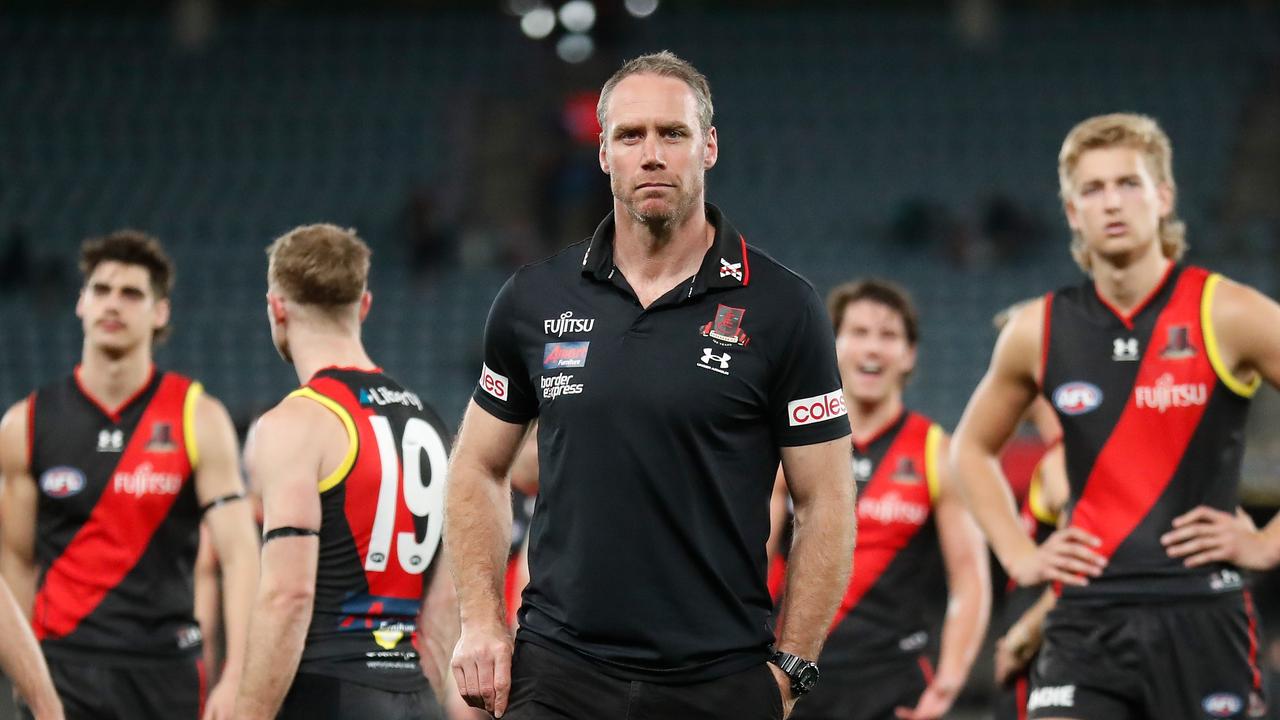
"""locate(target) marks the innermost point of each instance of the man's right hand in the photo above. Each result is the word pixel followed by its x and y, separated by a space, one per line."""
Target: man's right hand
pixel 1066 557
pixel 482 666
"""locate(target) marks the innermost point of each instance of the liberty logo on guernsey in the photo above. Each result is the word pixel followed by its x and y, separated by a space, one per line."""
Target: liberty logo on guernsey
pixel 1178 346
pixel 726 329
pixel 1166 394
pixel 567 323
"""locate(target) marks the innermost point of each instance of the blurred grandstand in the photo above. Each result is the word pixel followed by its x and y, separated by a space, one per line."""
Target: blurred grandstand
pixel 915 140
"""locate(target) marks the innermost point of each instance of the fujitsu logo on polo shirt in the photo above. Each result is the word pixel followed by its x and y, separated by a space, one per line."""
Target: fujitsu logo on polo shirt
pixel 816 409
pixel 567 323
pixel 1165 394
pixel 144 480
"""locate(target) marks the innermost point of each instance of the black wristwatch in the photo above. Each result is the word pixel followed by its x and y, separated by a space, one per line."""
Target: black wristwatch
pixel 803 673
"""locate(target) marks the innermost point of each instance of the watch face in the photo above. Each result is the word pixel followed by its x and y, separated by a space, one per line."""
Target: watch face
pixel 807 676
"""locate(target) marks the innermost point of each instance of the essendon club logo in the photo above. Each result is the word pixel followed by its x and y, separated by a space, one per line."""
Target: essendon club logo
pixel 161 438
pixel 726 329
pixel 905 473
pixel 1178 346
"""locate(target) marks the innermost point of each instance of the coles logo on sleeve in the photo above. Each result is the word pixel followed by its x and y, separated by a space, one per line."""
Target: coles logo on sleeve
pixel 816 409
pixel 493 383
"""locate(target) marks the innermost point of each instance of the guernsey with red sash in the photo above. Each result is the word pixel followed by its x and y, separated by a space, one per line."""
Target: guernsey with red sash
pixel 380 531
pixel 116 522
pixel 1153 426
pixel 897 561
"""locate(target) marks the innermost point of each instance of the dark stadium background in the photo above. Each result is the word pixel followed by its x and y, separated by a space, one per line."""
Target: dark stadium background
pixel 915 140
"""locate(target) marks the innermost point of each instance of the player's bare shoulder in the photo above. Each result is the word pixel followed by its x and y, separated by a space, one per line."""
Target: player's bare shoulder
pixel 297 429
pixel 15 429
pixel 1019 349
pixel 1245 326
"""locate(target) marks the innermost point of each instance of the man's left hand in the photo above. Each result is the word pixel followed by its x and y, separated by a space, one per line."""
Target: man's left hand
pixel 1208 535
pixel 784 687
pixel 221 704
pixel 933 703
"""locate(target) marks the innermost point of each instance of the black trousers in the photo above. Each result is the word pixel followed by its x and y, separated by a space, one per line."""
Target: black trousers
pixel 317 697
pixel 546 685
pixel 92 690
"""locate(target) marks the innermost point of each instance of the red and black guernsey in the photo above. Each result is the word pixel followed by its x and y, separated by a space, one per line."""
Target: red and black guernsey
pixel 1153 426
pixel 382 517
pixel 897 562
pixel 116 521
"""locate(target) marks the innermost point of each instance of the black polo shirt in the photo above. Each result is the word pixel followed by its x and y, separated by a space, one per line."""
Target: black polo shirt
pixel 658 438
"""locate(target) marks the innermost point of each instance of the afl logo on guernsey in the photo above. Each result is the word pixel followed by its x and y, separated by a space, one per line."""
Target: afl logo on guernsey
pixel 1077 398
pixel 1222 704
pixel 61 482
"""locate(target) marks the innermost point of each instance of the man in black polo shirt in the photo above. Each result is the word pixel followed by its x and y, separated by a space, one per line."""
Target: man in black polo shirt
pixel 671 366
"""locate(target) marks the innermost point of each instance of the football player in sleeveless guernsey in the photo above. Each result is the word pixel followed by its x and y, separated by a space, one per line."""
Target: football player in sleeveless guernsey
pixel 911 523
pixel 351 467
pixel 108 475
pixel 1150 365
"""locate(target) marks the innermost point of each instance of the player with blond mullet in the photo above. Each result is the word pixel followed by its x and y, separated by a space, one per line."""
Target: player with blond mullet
pixel 1150 365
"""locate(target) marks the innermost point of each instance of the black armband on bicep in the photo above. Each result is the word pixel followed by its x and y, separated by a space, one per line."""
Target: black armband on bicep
pixel 287 531
pixel 220 501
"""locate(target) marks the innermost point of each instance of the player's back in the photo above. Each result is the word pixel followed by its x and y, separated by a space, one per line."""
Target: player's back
pixel 381 523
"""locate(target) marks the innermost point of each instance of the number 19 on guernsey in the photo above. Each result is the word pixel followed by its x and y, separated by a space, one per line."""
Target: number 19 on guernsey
pixel 424 501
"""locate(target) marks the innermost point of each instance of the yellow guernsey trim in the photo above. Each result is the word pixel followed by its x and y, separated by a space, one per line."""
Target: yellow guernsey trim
pixel 931 443
pixel 1035 499
pixel 353 439
pixel 194 391
pixel 1223 372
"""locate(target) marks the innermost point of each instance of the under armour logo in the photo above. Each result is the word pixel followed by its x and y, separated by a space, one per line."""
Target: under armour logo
pixel 727 268
pixel 862 469
pixel 110 440
pixel 709 357
pixel 1124 349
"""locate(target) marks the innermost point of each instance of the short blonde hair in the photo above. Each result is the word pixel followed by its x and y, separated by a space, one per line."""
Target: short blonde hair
pixel 665 64
pixel 320 264
pixel 1131 130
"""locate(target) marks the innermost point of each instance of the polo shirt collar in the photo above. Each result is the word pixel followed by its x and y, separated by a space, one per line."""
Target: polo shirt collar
pixel 724 266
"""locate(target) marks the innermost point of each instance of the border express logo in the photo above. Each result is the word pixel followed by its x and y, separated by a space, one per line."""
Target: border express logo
pixel 816 409
pixel 1077 398
pixel 564 354
pixel 61 482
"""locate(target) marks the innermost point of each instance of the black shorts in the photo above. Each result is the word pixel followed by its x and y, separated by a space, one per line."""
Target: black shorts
pixel 1011 700
pixel 549 685
pixel 865 691
pixel 319 697
pixel 93 690
pixel 1191 659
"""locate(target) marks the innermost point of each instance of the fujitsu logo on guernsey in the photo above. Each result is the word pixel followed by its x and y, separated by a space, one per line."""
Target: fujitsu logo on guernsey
pixel 1060 696
pixel 892 508
pixel 1167 394
pixel 144 480
pixel 567 323
pixel 816 409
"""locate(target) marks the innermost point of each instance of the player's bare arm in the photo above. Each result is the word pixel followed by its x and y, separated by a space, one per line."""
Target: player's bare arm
pixel 20 656
pixel 293 446
pixel 1019 645
pixel 1003 395
pixel 1247 326
pixel 230 525
pixel 964 554
pixel 524 470
pixel 438 625
pixel 820 481
pixel 477 532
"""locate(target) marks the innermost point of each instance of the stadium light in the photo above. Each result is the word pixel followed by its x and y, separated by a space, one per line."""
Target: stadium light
pixel 578 15
pixel 575 47
pixel 538 22
pixel 642 8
